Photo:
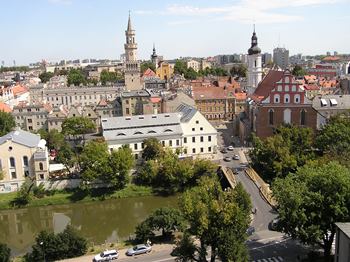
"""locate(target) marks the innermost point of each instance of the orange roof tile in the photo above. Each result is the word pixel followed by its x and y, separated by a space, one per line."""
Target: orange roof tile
pixel 149 73
pixel 18 89
pixel 212 92
pixel 155 99
pixel 241 96
pixel 5 108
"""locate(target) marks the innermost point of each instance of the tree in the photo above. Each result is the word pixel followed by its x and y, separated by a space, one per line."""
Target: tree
pixel 239 70
pixel 337 149
pixel 146 65
pixel 120 163
pixel 180 67
pixel 312 200
pixel 215 218
pixel 77 127
pixel 282 153
pixel 94 161
pixel 109 77
pixel 191 74
pixel 46 76
pixel 67 156
pixel 5 253
pixel 76 77
pixel 7 123
pixel 54 139
pixel 152 149
pixel 66 244
pixel 298 71
pixel 166 219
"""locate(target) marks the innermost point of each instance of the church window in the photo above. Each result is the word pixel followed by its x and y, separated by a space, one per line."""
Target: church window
pixel 286 88
pixel 286 98
pixel 279 88
pixel 286 79
pixel 287 113
pixel 271 115
pixel 297 98
pixel 294 88
pixel 303 117
pixel 255 63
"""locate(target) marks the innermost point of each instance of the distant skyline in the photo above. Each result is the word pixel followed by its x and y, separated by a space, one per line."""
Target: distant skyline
pixel 53 30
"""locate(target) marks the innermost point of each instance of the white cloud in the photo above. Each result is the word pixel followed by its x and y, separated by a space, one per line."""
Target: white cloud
pixel 244 11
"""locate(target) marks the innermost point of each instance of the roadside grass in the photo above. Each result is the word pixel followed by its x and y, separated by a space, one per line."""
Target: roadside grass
pixel 78 196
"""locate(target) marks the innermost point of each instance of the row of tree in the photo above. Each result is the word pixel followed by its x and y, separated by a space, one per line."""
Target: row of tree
pixel 189 73
pixel 210 219
pixel 162 168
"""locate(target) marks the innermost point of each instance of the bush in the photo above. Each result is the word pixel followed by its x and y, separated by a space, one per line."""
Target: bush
pixel 5 253
pixel 66 244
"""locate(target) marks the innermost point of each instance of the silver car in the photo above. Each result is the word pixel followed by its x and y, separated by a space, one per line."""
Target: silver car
pixel 139 249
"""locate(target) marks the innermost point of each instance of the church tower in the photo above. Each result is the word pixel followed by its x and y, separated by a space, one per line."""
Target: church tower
pixel 132 66
pixel 254 65
pixel 154 57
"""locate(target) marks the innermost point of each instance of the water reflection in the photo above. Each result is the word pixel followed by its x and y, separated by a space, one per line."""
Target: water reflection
pixel 99 222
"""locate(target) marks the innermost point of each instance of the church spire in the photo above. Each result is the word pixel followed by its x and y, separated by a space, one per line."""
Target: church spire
pixel 129 23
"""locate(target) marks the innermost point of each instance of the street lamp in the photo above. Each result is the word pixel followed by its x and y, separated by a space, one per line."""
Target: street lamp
pixel 42 246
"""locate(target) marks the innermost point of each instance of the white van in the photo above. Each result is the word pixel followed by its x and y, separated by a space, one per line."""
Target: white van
pixel 106 255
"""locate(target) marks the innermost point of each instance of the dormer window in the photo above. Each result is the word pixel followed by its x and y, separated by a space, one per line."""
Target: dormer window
pixel 286 79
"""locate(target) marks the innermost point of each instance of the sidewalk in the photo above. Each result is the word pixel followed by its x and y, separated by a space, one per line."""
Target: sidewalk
pixel 155 248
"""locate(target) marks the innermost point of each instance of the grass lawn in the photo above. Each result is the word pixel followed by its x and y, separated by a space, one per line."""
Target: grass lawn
pixel 77 195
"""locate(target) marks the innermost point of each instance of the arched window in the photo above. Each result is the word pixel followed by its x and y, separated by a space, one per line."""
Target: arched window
pixel 168 130
pixel 12 162
pixel 287 116
pixel 271 116
pixel 286 79
pixel 303 117
pixel 276 98
pixel 297 98
pixel 41 166
pixel 25 161
pixel 286 98
pixel 138 133
pixel 151 132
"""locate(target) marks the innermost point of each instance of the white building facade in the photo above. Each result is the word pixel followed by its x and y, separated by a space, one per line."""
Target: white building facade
pixel 186 130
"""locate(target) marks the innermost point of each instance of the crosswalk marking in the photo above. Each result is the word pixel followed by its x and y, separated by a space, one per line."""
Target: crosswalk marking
pixel 270 259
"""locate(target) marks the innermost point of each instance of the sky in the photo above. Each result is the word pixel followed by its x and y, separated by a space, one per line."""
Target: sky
pixel 32 30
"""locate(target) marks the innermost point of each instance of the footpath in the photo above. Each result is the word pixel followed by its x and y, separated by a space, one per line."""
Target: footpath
pixel 155 248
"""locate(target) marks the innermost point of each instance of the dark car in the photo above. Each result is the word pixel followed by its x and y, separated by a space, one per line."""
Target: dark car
pixel 274 224
pixel 250 230
pixel 224 151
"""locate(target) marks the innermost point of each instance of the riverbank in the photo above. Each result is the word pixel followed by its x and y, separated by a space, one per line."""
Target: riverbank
pixel 77 196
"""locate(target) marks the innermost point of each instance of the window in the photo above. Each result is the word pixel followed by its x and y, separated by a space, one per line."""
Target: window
pixel 135 146
pixel 287 115
pixel 30 121
pixel 127 111
pixel 276 98
pixel 41 176
pixel 13 175
pixel 170 142
pixel 286 98
pixel 12 162
pixel 201 129
pixel 286 79
pixel 202 150
pixel 142 145
pixel 185 140
pixel 286 88
pixel 197 122
pixel 25 161
pixel 209 149
pixel 297 99
pixel 193 139
pixel 193 150
pixel 294 88
pixel 163 143
pixel 26 173
pixel 201 139
pixel 303 117
pixel 41 166
pixel 136 156
pixel 209 138
pixel 177 142
pixel 279 88
pixel 185 150
pixel 193 129
pixel 271 120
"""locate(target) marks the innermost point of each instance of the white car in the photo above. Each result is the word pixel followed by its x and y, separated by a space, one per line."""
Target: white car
pixel 106 255
pixel 230 148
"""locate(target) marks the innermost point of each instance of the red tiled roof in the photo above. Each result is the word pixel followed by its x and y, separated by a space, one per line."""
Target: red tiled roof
pixel 212 92
pixel 149 73
pixel 5 108
pixel 241 96
pixel 155 99
pixel 18 89
pixel 267 84
pixel 311 87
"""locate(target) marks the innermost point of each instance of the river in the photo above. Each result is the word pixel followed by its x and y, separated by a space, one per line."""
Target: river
pixel 100 221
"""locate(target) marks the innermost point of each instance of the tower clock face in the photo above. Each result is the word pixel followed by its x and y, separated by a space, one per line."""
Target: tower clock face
pixel 130 54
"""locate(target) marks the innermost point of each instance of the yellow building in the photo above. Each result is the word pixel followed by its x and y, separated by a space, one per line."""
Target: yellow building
pixel 165 71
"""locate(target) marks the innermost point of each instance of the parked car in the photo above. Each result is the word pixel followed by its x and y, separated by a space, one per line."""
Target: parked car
pixel 230 148
pixel 235 157
pixel 250 230
pixel 139 249
pixel 274 224
pixel 235 171
pixel 224 151
pixel 106 255
pixel 227 159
